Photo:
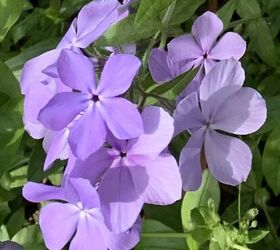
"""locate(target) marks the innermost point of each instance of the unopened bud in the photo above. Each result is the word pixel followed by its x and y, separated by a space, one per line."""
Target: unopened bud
pixel 252 214
pixel 254 224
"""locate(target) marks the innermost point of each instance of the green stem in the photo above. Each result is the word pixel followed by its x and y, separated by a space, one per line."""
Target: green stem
pixel 148 51
pixel 241 21
pixel 239 205
pixel 235 246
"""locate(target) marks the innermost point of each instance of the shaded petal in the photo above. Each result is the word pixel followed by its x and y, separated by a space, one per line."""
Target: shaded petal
pixel 123 203
pixel 188 114
pixel 69 38
pixel 224 73
pixel 206 30
pixel 231 45
pixel 94 167
pixel 158 132
pixel 62 109
pixel 184 47
pixel 118 74
pixel 32 70
pixel 58 223
pixel 192 87
pixel 243 113
pixel 88 234
pixel 229 159
pixel 76 71
pixel 88 133
pixel 36 192
pixel 100 15
pixel 208 65
pixel 190 163
pixel 123 125
pixel 58 145
pixel 165 185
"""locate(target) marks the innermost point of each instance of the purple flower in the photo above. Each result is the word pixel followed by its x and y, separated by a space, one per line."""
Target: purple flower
pixel 221 107
pixel 91 109
pixel 78 217
pixel 200 48
pixel 133 172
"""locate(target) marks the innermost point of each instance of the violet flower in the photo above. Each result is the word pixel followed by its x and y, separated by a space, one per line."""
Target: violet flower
pixel 76 215
pixel 221 106
pixel 91 109
pixel 133 172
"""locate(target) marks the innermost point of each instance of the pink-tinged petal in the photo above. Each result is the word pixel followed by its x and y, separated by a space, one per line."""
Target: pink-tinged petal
pixel 58 223
pixel 188 114
pixel 231 45
pixel 88 195
pixel 160 67
pixel 69 38
pixel 38 94
pixel 88 133
pixel 32 70
pixel 224 73
pixel 206 30
pixel 100 15
pixel 126 240
pixel 243 113
pixel 158 132
pixel 58 145
pixel 123 125
pixel 190 162
pixel 121 192
pixel 184 47
pixel 165 185
pixel 88 234
pixel 117 75
pixel 62 109
pixel 76 71
pixel 94 167
pixel 228 158
pixel 36 192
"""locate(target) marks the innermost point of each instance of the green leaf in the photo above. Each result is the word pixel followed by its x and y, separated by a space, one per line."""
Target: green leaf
pixel 226 12
pixel 10 11
pixel 271 161
pixel 8 83
pixel 248 9
pixel 16 222
pixel 149 12
pixel 30 238
pixel 208 189
pixel 255 236
pixel 155 236
pixel 4 233
pixel 262 41
pixel 184 10
pixel 5 195
pixel 4 211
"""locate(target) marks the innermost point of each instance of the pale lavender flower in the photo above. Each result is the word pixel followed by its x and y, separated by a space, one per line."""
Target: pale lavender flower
pixel 91 109
pixel 220 107
pixel 133 172
pixel 75 214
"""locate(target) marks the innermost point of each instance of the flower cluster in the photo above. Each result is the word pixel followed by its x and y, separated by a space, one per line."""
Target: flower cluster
pixel 118 157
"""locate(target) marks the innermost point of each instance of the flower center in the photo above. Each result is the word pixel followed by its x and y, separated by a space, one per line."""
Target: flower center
pixel 95 98
pixel 123 154
pixel 205 56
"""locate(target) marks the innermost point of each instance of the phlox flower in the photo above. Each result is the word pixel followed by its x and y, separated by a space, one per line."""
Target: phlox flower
pixel 133 172
pixel 221 107
pixel 203 48
pixel 74 214
pixel 91 109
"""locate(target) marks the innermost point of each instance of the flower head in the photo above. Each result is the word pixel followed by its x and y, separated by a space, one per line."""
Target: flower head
pixel 221 107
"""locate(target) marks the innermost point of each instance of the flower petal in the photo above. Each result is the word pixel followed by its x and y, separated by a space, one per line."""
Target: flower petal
pixel 88 133
pixel 62 109
pixel 206 30
pixel 229 159
pixel 69 38
pixel 243 113
pixel 123 203
pixel 190 162
pixel 165 185
pixel 36 192
pixel 76 71
pixel 184 47
pixel 118 74
pixel 224 73
pixel 58 223
pixel 231 45
pixel 123 125
pixel 158 132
